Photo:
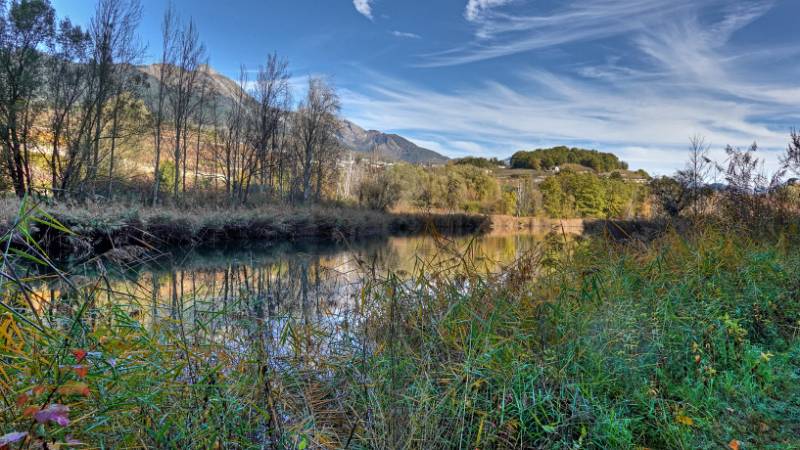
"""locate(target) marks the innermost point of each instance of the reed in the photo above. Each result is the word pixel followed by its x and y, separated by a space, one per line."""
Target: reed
pixel 683 342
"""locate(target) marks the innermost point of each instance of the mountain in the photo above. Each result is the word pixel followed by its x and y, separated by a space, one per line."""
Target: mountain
pixel 391 147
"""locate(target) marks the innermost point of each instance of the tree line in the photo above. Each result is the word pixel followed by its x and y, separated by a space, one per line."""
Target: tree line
pixel 468 188
pixel 79 114
pixel 550 158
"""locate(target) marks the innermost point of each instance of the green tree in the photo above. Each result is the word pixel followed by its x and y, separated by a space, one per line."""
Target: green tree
pixel 554 198
pixel 26 29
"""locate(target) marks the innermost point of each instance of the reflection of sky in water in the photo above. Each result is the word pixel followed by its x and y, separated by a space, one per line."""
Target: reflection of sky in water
pixel 289 299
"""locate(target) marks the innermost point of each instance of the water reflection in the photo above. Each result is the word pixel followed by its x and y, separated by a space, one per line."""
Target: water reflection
pixel 312 277
pixel 239 294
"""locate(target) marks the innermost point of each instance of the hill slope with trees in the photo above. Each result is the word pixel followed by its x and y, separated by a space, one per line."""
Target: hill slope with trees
pixel 550 158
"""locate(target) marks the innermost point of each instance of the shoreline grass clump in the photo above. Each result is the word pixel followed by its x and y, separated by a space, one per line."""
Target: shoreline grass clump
pixel 97 228
pixel 690 344
pixel 685 342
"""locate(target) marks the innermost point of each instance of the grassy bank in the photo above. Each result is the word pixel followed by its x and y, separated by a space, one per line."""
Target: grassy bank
pixel 100 227
pixel 689 342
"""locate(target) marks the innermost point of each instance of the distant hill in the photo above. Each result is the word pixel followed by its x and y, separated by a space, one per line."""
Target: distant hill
pixel 391 147
pixel 386 146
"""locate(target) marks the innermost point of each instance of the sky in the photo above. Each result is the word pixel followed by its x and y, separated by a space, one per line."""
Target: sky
pixel 491 77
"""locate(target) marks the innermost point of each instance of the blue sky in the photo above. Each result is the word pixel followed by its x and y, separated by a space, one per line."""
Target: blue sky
pixel 489 77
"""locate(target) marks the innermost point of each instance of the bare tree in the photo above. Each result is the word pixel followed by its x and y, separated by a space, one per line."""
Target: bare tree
pixel 316 123
pixel 239 152
pixel 273 96
pixel 200 117
pixel 158 103
pixel 115 49
pixel 694 176
pixel 68 82
pixel 182 82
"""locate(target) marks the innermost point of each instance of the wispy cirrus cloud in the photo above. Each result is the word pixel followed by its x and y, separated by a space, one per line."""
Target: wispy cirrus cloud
pixel 648 126
pixel 364 7
pixel 405 34
pixel 689 79
pixel 671 70
pixel 477 8
pixel 576 21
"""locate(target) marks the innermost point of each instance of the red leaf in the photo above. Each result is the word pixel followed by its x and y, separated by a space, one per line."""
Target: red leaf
pixel 80 354
pixel 81 371
pixel 74 388
pixel 30 411
pixel 22 399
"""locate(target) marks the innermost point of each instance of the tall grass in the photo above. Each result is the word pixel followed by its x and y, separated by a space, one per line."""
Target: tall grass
pixel 689 342
pixel 99 227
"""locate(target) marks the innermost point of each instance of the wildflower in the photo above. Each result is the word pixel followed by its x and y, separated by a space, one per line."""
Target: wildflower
pixel 53 413
pixel 684 420
pixel 12 437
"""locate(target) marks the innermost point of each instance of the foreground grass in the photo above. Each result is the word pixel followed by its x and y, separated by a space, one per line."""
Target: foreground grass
pixel 689 343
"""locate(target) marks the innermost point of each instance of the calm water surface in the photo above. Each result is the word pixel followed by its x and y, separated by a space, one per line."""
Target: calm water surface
pixel 238 295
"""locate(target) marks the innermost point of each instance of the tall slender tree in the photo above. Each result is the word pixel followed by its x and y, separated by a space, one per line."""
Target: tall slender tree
pixel 316 122
pixel 27 27
pixel 273 95
pixel 158 102
pixel 68 82
pixel 183 86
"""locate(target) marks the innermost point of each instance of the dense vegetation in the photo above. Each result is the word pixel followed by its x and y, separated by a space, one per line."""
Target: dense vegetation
pixel 451 187
pixel 547 159
pixel 689 341
pixel 483 163
pixel 571 194
pixel 474 189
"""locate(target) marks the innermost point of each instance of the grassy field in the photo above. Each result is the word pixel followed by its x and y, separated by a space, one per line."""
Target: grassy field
pixel 685 342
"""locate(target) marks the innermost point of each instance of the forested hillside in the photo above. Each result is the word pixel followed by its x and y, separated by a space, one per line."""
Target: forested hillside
pixel 551 158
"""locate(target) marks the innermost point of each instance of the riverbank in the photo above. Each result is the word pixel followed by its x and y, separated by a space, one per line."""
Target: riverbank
pixel 99 228
pixel 685 342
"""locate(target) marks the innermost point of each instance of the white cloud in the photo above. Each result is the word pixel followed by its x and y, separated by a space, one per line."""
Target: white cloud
pixel 575 21
pixel 364 7
pixel 476 8
pixel 645 122
pixel 406 35
pixel 673 71
pixel 467 146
